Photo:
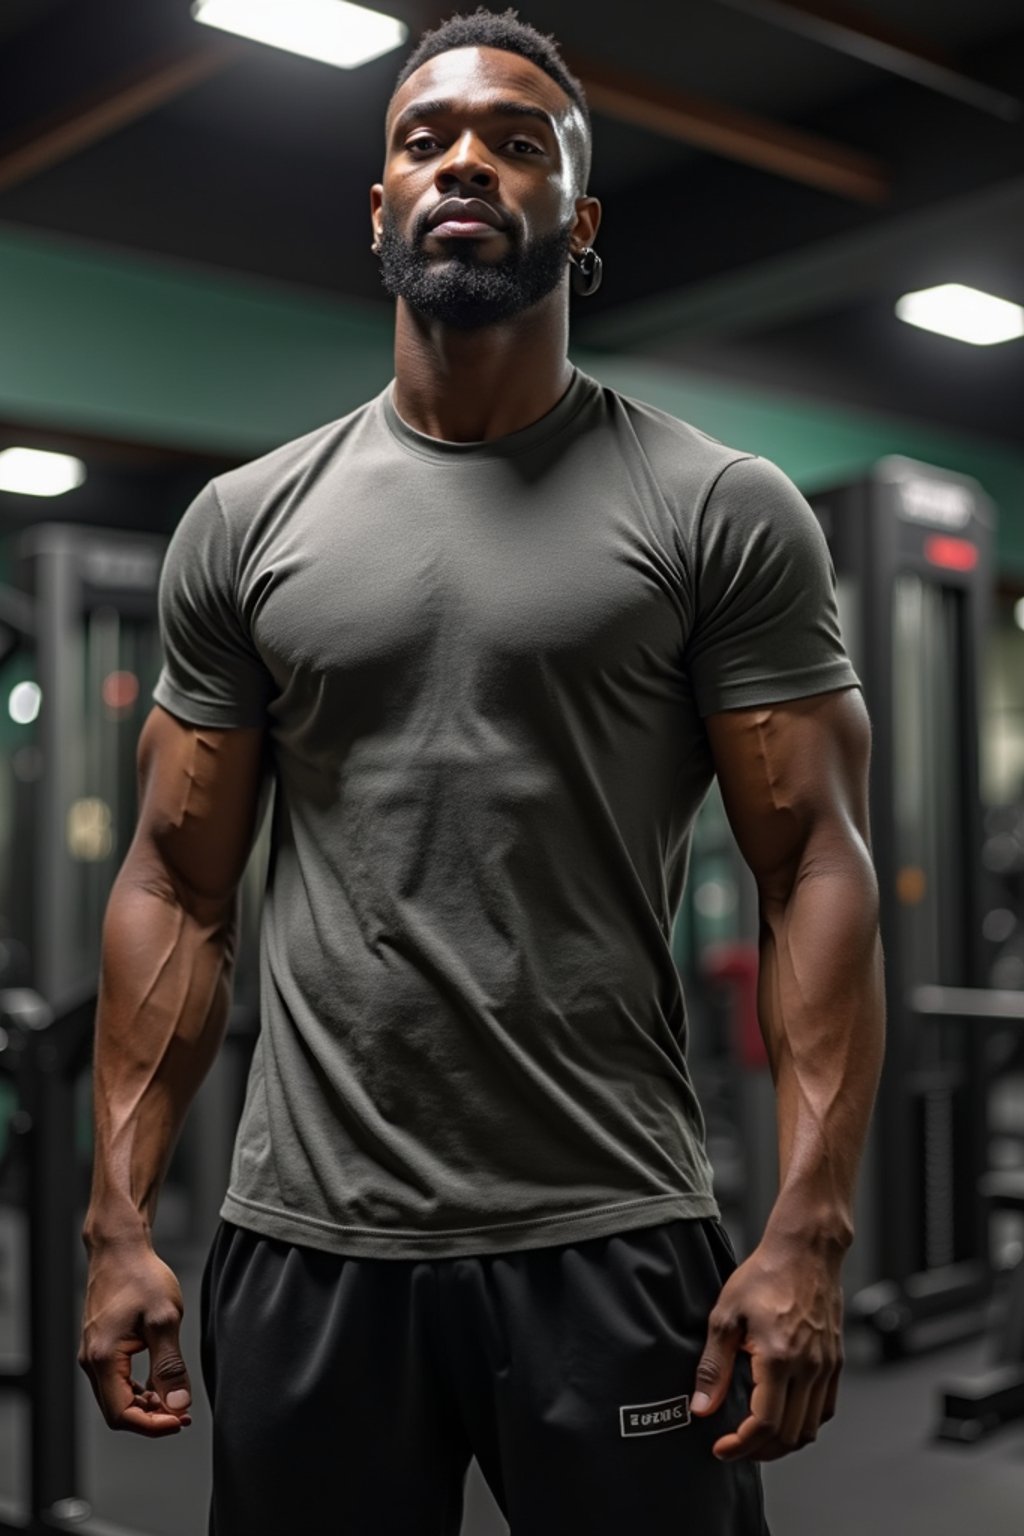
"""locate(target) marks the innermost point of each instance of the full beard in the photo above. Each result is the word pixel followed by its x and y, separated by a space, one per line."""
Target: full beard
pixel 464 292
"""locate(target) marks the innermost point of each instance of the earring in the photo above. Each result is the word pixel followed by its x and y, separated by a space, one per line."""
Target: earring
pixel 587 271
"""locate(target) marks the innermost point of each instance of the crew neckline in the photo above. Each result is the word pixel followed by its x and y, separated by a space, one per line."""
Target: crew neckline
pixel 441 449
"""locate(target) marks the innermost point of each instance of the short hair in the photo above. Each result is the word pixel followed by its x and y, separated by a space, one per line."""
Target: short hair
pixel 488 29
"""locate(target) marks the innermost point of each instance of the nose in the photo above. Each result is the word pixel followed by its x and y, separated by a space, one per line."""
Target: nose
pixel 467 164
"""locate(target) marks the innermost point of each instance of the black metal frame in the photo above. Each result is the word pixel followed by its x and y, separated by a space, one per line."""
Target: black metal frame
pixel 66 571
pixel 971 1407
pixel 46 1048
pixel 46 1032
pixel 875 536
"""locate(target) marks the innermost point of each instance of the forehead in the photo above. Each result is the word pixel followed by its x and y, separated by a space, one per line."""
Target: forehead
pixel 472 77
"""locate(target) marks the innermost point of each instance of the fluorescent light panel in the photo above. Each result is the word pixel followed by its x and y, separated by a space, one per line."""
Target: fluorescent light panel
pixel 330 30
pixel 966 314
pixel 31 472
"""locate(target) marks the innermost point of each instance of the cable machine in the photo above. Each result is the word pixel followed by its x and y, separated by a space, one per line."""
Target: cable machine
pixel 79 655
pixel 912 549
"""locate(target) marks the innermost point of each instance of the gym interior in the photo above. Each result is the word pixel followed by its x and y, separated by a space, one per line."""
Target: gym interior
pixel 813 246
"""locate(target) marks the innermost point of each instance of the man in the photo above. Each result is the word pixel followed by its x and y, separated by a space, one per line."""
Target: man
pixel 492 634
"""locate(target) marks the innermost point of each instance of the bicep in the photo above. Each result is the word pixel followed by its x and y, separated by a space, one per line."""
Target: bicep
pixel 794 781
pixel 202 793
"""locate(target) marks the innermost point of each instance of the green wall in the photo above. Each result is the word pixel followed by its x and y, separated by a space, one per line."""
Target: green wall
pixel 140 347
pixel 820 444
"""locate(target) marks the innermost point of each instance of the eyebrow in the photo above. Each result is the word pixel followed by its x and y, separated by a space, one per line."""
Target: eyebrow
pixel 441 108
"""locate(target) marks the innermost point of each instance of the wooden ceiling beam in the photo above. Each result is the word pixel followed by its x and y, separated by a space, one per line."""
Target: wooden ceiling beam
pixel 743 136
pixel 854 32
pixel 107 110
pixel 708 125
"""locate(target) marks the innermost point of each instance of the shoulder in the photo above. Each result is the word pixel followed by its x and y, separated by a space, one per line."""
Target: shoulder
pixel 682 456
pixel 248 486
pixel 754 500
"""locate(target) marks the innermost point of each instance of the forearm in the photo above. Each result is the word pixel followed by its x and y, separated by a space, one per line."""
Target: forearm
pixel 822 1011
pixel 164 996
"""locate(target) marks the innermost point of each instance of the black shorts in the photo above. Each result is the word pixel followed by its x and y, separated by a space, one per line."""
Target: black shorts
pixel 350 1394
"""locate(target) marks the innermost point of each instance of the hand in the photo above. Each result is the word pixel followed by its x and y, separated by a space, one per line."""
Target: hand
pixel 133 1302
pixel 784 1307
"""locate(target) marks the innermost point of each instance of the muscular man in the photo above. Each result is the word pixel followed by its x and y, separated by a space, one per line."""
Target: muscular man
pixel 490 635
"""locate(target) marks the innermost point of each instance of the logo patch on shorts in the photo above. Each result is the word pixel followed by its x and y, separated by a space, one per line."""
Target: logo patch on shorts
pixel 655 1418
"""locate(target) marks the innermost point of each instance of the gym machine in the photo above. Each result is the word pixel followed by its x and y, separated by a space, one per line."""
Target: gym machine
pixel 46 1050
pixel 79 635
pixel 96 650
pixel 912 549
pixel 971 1407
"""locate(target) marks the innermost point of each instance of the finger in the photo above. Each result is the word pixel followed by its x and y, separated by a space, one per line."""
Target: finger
pixel 757 1441
pixel 143 1421
pixel 111 1379
pixel 168 1374
pixel 752 1441
pixel 715 1366
pixel 767 1408
pixel 832 1393
pixel 815 1409
pixel 793 1431
pixel 149 1400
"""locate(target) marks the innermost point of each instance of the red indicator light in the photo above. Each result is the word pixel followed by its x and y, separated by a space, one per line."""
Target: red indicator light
pixel 954 554
pixel 120 690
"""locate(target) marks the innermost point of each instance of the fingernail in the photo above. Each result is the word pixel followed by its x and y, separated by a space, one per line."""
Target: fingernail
pixel 699 1402
pixel 176 1400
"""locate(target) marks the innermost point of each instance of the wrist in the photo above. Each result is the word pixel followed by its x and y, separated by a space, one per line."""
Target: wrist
pixel 101 1232
pixel 826 1232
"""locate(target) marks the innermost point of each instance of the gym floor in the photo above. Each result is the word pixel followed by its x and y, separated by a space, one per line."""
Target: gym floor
pixel 875 1468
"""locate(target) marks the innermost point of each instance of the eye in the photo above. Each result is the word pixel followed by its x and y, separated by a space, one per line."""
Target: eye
pixel 420 142
pixel 525 142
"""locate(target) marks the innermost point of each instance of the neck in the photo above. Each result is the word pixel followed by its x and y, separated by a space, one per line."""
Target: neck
pixel 471 386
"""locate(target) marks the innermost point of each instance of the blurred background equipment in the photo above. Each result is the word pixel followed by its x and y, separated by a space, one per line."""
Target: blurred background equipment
pixel 912 549
pixel 80 655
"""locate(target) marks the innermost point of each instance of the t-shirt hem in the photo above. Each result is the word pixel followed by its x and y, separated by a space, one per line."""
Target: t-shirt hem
pixel 776 688
pixel 503 1237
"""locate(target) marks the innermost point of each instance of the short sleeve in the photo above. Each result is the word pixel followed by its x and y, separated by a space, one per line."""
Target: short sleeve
pixel 212 673
pixel 766 624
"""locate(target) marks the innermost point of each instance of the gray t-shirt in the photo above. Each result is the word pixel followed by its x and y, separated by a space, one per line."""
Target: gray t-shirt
pixel 483 668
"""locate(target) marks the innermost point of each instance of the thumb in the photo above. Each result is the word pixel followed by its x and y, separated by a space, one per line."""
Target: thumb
pixel 167 1372
pixel 714 1369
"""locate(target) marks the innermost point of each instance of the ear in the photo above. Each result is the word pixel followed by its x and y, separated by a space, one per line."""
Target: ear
pixel 588 220
pixel 376 213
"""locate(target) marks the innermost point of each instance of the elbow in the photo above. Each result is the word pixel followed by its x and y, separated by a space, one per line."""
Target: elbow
pixel 209 911
pixel 843 861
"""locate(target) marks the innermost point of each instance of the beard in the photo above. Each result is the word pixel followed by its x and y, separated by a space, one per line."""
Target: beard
pixel 460 289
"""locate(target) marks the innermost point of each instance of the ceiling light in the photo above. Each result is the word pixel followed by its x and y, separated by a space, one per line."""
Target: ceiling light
pixel 964 313
pixel 31 472
pixel 330 30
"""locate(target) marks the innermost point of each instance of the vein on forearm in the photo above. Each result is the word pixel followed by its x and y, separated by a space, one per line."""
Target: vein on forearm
pixel 820 1007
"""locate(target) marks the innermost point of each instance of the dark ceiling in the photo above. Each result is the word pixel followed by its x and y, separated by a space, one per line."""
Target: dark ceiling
pixel 774 173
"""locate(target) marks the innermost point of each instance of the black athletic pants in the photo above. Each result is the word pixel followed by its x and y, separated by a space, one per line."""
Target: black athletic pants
pixel 350 1394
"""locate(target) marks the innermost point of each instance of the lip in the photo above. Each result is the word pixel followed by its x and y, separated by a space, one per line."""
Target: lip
pixel 464 215
pixel 461 228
